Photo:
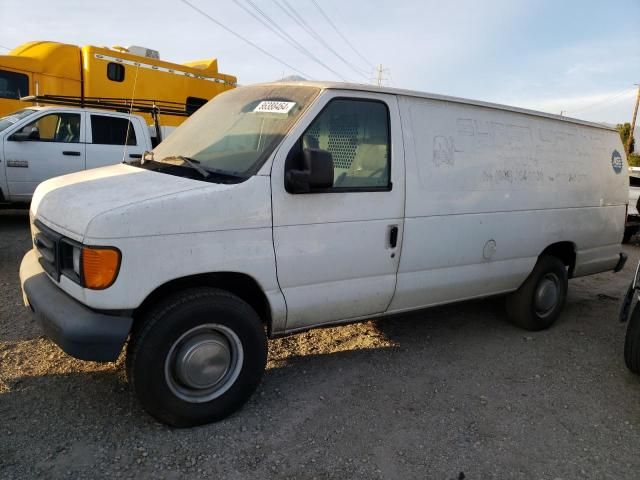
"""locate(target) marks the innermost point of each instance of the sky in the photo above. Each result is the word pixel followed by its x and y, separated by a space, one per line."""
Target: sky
pixel 581 58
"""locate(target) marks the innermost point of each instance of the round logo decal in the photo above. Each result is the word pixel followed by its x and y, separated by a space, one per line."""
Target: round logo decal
pixel 616 161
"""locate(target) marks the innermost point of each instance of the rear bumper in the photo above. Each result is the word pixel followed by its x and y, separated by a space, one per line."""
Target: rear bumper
pixel 78 330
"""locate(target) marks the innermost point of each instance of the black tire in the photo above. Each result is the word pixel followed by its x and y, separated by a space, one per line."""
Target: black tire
pixel 523 308
pixel 210 313
pixel 632 341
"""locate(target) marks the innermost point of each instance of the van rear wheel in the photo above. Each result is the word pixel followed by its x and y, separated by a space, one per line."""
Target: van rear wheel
pixel 197 357
pixel 538 302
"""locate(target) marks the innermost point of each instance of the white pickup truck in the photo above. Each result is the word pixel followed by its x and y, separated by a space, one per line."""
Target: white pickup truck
pixel 39 143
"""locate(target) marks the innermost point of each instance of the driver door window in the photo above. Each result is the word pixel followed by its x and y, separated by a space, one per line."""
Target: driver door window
pixel 55 127
pixel 356 133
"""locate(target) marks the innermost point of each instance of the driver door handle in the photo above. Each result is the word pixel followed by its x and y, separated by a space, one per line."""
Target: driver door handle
pixel 393 236
pixel 71 153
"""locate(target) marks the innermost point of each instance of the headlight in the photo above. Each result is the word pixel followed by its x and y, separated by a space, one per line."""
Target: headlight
pixel 76 260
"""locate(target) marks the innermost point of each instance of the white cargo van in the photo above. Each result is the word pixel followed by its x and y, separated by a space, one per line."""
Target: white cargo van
pixel 39 143
pixel 282 207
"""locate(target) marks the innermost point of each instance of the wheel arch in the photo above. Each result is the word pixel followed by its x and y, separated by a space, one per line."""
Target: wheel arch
pixel 564 251
pixel 240 284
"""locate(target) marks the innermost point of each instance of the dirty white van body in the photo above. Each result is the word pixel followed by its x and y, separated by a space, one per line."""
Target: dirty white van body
pixel 38 143
pixel 324 203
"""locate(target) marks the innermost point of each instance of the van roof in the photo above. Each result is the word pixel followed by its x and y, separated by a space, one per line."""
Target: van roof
pixel 434 96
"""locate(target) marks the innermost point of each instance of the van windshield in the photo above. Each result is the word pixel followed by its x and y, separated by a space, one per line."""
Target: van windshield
pixel 235 133
pixel 6 122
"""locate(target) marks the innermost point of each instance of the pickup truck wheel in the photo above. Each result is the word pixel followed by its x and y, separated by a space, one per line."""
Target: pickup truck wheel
pixel 538 302
pixel 629 232
pixel 197 357
pixel 632 342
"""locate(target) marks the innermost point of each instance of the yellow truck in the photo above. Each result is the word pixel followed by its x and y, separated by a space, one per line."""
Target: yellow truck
pixel 45 68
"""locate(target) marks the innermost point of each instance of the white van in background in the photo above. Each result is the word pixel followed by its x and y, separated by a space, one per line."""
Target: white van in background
pixel 281 207
pixel 39 143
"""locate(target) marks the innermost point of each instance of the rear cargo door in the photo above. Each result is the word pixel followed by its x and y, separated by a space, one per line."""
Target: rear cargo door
pixel 337 250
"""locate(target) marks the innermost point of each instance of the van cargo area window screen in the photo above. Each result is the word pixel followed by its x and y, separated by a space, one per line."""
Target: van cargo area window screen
pixel 356 134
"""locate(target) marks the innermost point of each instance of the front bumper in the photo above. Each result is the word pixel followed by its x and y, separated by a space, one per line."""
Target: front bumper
pixel 78 330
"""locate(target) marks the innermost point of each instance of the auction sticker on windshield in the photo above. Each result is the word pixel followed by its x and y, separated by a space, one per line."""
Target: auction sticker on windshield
pixel 273 106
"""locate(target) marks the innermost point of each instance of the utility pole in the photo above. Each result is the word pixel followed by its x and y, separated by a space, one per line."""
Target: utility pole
pixel 379 77
pixel 633 124
pixel 380 73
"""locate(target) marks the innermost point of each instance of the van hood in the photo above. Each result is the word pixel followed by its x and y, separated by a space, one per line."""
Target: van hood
pixel 124 201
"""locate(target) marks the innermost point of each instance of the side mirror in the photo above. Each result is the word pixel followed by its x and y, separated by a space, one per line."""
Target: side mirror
pixel 23 135
pixel 34 134
pixel 316 172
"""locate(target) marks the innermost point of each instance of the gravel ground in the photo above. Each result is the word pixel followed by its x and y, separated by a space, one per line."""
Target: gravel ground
pixel 428 395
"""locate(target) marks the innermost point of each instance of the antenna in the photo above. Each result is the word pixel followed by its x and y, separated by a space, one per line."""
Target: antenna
pixel 133 97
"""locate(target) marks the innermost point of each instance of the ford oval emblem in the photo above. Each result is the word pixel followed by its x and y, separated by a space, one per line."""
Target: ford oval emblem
pixel 616 161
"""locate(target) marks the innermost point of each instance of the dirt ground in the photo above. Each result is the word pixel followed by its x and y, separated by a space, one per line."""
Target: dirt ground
pixel 454 392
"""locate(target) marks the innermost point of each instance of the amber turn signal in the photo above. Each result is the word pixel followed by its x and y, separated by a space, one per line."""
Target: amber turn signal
pixel 99 267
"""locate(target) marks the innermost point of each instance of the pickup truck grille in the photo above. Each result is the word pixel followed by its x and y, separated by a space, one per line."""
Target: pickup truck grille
pixel 47 242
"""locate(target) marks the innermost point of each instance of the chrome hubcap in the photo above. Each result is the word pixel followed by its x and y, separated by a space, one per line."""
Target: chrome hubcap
pixel 546 295
pixel 203 363
pixel 203 360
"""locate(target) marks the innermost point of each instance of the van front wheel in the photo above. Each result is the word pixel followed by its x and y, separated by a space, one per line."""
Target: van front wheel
pixel 538 302
pixel 197 357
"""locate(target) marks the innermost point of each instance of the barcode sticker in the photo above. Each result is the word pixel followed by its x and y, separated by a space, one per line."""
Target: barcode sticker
pixel 272 106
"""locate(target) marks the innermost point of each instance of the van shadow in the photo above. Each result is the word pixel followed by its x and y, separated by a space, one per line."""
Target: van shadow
pixel 427 348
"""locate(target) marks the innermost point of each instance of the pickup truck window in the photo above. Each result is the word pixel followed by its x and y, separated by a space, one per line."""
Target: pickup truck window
pixel 111 130
pixel 356 133
pixel 236 132
pixel 13 85
pixel 55 127
pixel 7 121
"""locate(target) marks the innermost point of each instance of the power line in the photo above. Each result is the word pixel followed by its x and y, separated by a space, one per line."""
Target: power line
pixel 246 40
pixel 6 48
pixel 271 25
pixel 326 17
pixel 296 17
pixel 320 39
pixel 599 102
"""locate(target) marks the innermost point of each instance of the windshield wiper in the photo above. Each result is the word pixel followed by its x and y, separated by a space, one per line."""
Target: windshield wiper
pixel 191 163
pixel 224 173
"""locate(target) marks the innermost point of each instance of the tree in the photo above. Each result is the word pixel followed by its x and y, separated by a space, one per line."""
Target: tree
pixel 624 130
